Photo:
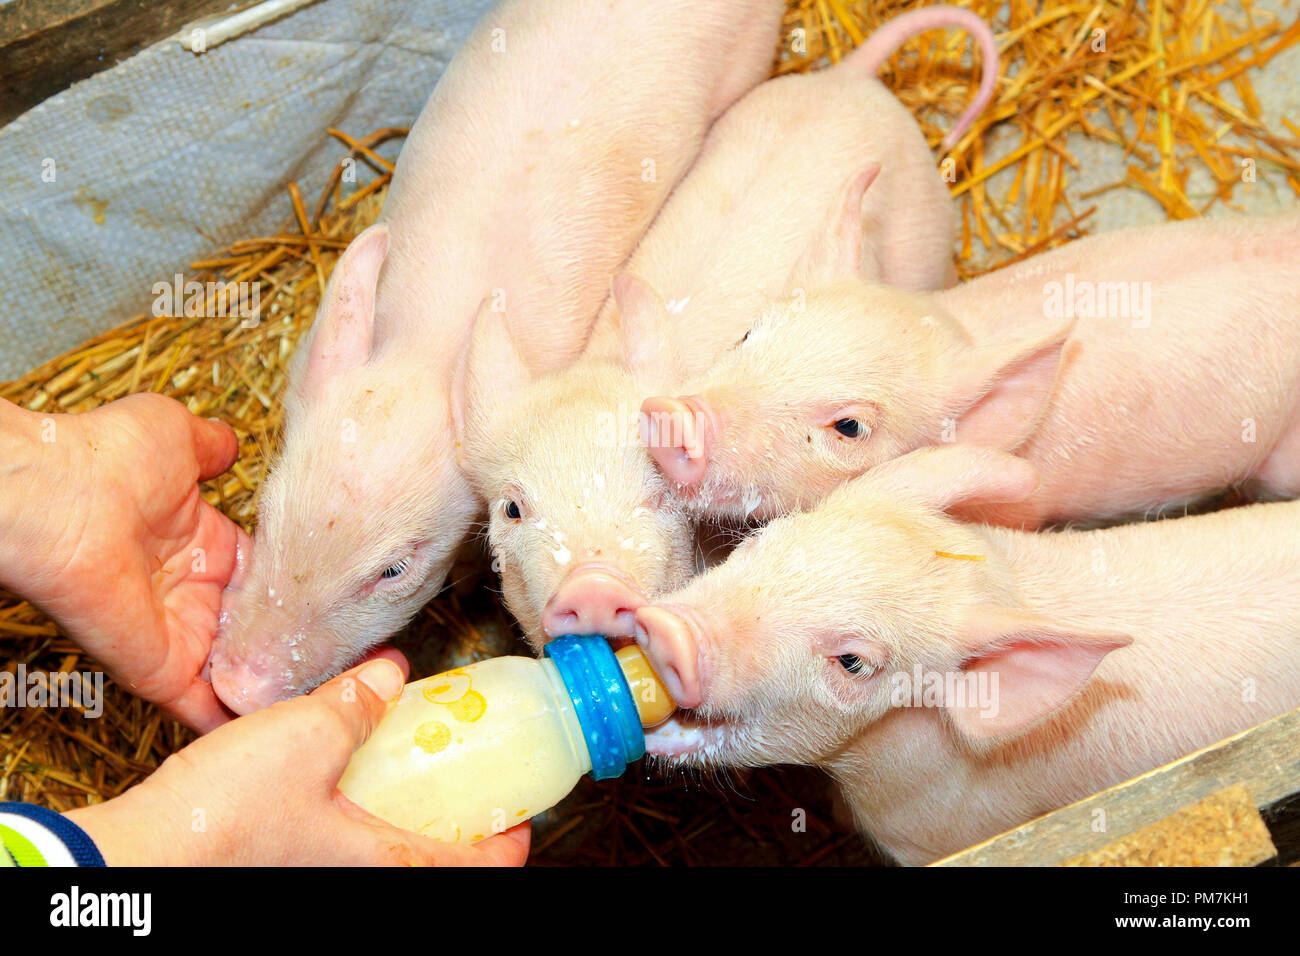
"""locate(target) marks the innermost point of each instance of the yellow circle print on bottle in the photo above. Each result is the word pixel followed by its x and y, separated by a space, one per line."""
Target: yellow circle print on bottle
pixel 472 751
pixel 455 691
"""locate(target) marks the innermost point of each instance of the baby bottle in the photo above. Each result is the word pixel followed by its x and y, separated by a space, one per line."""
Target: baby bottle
pixel 476 750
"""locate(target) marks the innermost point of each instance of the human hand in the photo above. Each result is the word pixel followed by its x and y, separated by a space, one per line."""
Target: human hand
pixel 263 790
pixel 102 527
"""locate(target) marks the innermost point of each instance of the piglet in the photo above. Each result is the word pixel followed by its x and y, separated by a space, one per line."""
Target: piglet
pixel 580 524
pixel 957 680
pixel 803 166
pixel 549 144
pixel 1138 370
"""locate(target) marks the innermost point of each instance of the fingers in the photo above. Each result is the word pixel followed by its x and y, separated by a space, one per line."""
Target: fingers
pixel 390 653
pixel 372 842
pixel 504 849
pixel 507 849
pixel 215 446
pixel 360 697
pixel 214 443
pixel 199 709
pixel 320 731
pixel 218 540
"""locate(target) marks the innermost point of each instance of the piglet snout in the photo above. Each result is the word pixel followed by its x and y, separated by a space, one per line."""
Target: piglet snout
pixel 243 686
pixel 668 637
pixel 592 599
pixel 678 432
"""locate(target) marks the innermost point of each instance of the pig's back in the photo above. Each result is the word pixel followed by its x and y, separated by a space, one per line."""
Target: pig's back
pixel 525 170
pixel 1155 410
pixel 1212 603
pixel 1213 606
pixel 770 174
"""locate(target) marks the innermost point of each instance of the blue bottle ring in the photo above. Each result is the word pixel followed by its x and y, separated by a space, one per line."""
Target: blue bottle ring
pixel 602 700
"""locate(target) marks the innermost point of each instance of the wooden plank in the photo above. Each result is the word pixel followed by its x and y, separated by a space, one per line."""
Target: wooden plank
pixel 48 45
pixel 1264 759
pixel 1224 829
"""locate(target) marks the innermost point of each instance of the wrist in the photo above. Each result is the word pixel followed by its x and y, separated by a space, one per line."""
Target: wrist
pixel 133 830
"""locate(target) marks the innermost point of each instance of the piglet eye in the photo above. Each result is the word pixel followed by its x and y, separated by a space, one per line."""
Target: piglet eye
pixel 396 570
pixel 512 511
pixel 852 663
pixel 850 428
pixel 401 576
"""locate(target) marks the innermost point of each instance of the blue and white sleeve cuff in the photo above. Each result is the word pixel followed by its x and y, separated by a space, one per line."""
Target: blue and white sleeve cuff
pixel 34 836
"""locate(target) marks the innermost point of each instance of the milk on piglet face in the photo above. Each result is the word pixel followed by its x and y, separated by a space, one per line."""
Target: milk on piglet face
pixel 827 388
pixel 580 524
pixel 351 539
pixel 1138 370
pixel 785 651
pixel 957 680
pixel 521 181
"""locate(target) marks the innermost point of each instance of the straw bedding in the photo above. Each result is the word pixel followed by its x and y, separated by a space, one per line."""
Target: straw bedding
pixel 1166 88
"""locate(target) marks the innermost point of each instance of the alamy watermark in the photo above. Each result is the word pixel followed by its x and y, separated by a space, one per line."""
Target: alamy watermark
pixel 212 299
pixel 1084 299
pixel 626 426
pixel 24 688
pixel 961 689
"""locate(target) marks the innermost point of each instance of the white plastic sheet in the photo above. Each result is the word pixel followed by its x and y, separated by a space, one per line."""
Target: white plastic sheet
pixel 126 177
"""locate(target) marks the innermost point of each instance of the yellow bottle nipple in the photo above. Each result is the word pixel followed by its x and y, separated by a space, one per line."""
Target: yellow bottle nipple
pixel 652 701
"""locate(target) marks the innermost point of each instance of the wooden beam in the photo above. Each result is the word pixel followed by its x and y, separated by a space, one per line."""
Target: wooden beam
pixel 48 45
pixel 1224 829
pixel 1265 760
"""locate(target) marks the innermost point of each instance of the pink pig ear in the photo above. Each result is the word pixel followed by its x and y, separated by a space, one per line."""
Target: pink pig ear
pixel 837 252
pixel 489 375
pixel 343 333
pixel 950 476
pixel 1003 393
pixel 641 316
pixel 1024 667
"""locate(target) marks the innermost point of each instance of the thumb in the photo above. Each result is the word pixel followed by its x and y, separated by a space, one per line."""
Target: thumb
pixel 360 697
pixel 215 446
